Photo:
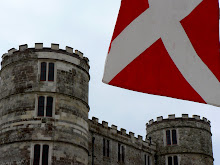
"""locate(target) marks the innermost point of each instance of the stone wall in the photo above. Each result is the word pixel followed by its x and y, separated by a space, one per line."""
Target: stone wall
pixel 66 132
pixel 135 148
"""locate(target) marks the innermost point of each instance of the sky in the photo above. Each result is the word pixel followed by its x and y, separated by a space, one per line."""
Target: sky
pixel 88 26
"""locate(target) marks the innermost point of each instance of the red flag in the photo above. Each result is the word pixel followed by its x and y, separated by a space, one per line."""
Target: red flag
pixel 168 48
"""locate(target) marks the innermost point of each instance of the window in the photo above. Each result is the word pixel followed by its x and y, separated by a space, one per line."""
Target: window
pixel 147 160
pixel 172 160
pixel 41 153
pixel 43 71
pixel 42 108
pixel 171 137
pixel 51 72
pixel 105 147
pixel 121 153
pixel 108 148
pixel 46 71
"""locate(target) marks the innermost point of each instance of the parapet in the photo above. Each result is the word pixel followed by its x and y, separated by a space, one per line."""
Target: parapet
pixel 172 117
pixel 54 47
pixel 113 132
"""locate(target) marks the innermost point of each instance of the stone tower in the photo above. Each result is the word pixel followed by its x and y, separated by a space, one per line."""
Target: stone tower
pixel 44 106
pixel 182 141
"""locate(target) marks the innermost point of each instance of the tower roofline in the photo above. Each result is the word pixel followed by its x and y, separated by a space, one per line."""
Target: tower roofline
pixel 172 117
pixel 54 48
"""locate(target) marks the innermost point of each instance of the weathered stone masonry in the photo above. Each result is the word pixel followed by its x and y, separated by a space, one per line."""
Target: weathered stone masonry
pixel 45 121
pixel 66 130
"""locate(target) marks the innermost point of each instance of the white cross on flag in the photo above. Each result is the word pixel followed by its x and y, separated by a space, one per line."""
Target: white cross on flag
pixel 168 48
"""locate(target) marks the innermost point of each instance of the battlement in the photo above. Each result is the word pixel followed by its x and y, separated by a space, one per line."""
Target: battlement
pixel 172 117
pixel 54 47
pixel 103 128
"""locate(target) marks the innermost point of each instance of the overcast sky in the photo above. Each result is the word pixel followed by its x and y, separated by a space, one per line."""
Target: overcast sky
pixel 87 25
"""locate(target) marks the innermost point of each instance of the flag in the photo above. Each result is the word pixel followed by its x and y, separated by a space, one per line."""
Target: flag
pixel 168 48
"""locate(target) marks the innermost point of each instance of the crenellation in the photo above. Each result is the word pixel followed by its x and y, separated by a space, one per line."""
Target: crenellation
pixel 55 46
pixel 123 131
pixel 204 119
pixel 79 53
pixel 5 55
pixel 105 124
pixel 11 51
pixel 84 61
pixel 172 116
pixel 95 120
pixel 38 45
pixel 140 138
pixel 131 134
pixel 185 116
pixel 160 118
pixel 69 49
pixel 151 121
pixel 113 129
pixel 197 117
pixel 23 47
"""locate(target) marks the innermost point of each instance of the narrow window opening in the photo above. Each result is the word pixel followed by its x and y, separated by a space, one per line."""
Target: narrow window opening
pixel 145 159
pixel 168 137
pixel 43 71
pixel 36 154
pixel 51 72
pixel 119 152
pixel 108 148
pixel 170 161
pixel 148 160
pixel 175 160
pixel 45 155
pixel 41 100
pixel 174 139
pixel 49 107
pixel 103 147
pixel 123 154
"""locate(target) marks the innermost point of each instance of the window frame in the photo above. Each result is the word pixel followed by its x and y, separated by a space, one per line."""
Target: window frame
pixel 41 153
pixel 172 157
pixel 45 105
pixel 121 153
pixel 47 71
pixel 106 148
pixel 147 159
pixel 171 137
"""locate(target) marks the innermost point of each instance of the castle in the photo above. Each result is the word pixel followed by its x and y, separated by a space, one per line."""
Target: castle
pixel 44 119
